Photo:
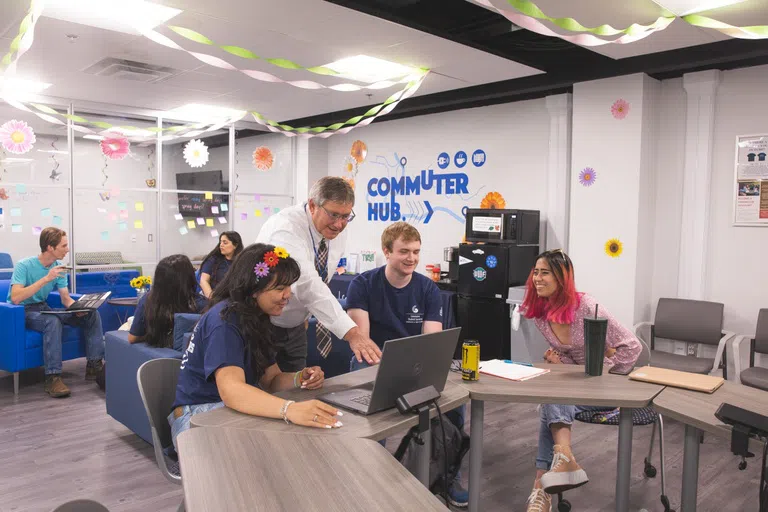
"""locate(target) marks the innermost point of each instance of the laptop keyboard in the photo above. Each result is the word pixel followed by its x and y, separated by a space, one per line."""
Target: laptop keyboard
pixel 362 399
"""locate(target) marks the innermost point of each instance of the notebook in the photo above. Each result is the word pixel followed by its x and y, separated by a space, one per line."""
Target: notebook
pixel 511 371
pixel 677 379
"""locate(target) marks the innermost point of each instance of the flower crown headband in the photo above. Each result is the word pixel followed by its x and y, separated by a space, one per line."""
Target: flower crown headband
pixel 271 259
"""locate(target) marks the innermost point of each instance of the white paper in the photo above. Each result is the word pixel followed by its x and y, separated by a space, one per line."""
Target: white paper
pixel 510 371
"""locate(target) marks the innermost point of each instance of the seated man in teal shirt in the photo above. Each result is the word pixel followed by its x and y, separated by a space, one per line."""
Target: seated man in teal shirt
pixel 33 280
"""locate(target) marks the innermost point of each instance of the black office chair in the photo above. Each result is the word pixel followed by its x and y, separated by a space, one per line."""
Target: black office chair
pixel 754 376
pixel 157 381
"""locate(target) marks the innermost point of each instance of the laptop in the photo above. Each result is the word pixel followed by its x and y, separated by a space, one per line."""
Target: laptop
pixel 677 379
pixel 86 303
pixel 407 364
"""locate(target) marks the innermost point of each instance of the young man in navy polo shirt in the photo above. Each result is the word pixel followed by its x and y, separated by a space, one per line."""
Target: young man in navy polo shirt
pixel 395 301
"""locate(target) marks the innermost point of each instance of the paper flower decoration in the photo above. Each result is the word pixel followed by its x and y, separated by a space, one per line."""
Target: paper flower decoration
pixel 359 151
pixel 3 194
pixel 271 259
pixel 493 201
pixel 350 180
pixel 263 158
pixel 620 109
pixel 614 247
pixel 196 153
pixel 281 253
pixel 115 147
pixel 587 177
pixel 349 164
pixel 261 269
pixel 17 136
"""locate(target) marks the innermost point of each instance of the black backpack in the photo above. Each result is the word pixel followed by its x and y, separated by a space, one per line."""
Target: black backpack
pixel 456 444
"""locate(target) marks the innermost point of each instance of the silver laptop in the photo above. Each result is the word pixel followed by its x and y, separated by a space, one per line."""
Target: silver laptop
pixel 407 364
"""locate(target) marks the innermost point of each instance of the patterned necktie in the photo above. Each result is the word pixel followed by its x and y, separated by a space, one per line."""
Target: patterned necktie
pixel 322 334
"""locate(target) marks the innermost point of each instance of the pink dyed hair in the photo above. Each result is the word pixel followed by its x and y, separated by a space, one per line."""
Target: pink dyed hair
pixel 561 305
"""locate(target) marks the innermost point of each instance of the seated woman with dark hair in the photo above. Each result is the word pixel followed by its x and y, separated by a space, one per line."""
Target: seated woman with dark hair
pixel 174 290
pixel 230 359
pixel 215 266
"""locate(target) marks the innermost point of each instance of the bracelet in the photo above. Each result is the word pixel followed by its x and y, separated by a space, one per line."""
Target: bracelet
pixel 284 411
pixel 297 378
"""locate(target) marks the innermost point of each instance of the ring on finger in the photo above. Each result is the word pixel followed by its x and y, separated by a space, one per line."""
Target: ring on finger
pixel 315 418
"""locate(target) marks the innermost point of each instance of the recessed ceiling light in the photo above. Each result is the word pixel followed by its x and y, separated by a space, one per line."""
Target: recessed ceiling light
pixel 15 86
pixel 686 7
pixel 206 113
pixel 127 16
pixel 363 68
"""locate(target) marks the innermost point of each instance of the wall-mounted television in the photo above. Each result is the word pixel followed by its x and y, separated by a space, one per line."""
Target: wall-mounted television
pixel 192 204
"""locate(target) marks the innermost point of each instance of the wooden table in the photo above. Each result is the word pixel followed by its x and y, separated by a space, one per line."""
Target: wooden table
pixel 375 426
pixel 565 384
pixel 697 411
pixel 244 470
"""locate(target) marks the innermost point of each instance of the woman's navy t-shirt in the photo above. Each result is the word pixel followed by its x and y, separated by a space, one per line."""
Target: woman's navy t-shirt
pixel 218 274
pixel 139 325
pixel 215 343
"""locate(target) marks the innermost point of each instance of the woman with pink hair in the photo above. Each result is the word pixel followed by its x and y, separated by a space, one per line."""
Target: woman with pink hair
pixel 558 310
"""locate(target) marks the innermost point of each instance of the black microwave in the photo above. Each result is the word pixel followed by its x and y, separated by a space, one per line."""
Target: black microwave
pixel 519 227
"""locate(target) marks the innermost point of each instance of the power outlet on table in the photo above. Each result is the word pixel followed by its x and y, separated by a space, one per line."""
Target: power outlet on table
pixel 691 349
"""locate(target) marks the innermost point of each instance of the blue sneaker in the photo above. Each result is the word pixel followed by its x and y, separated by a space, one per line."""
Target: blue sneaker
pixel 458 496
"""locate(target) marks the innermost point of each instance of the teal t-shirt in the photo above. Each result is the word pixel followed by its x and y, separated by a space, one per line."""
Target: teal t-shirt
pixel 29 271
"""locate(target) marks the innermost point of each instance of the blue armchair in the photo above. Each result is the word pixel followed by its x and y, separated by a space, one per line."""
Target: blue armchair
pixel 20 348
pixel 6 262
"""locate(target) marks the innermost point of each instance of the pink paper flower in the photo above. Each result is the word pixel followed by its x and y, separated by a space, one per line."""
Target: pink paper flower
pixel 620 109
pixel 17 136
pixel 587 177
pixel 115 147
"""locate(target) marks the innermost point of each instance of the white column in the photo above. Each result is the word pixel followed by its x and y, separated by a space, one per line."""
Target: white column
pixel 556 216
pixel 697 176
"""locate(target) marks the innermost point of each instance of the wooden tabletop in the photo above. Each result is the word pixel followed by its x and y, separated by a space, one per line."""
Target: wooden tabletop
pixel 376 426
pixel 565 384
pixel 240 470
pixel 698 409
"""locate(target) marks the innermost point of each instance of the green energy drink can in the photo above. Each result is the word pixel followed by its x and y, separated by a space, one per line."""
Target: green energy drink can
pixel 470 360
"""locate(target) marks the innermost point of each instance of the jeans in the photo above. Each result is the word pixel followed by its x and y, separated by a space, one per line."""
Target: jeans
pixel 182 423
pixel 551 414
pixel 52 327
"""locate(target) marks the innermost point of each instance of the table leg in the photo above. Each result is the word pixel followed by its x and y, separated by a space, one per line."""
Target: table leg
pixel 424 451
pixel 475 453
pixel 624 463
pixel 690 468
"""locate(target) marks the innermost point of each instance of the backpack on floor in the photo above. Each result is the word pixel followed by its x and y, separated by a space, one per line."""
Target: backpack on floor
pixel 456 443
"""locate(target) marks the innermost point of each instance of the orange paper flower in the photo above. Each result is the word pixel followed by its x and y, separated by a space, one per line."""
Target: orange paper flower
pixel 359 151
pixel 493 201
pixel 263 158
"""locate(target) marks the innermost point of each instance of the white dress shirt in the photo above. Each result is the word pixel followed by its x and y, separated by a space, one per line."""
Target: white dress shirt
pixel 292 228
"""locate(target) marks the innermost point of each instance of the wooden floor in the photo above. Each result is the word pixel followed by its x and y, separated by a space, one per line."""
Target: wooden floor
pixel 53 451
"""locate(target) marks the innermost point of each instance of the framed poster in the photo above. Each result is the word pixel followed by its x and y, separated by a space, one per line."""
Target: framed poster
pixel 750 189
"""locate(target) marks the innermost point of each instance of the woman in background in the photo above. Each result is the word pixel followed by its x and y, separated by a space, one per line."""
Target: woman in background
pixel 230 359
pixel 558 310
pixel 216 264
pixel 174 290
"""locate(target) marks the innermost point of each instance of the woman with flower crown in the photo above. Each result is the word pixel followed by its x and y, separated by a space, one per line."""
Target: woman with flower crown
pixel 230 360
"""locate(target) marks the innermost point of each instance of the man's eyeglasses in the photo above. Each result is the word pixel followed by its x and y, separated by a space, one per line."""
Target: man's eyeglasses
pixel 336 216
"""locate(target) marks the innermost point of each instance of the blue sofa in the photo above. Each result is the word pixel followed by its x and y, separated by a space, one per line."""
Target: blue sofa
pixel 20 348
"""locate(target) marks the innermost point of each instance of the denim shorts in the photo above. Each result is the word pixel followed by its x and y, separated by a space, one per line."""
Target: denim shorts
pixel 183 422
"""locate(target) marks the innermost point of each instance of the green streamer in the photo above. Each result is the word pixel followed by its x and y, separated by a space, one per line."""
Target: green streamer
pixel 23 27
pixel 753 32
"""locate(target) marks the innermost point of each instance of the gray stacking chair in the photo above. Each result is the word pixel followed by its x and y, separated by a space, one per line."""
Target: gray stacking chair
pixel 81 506
pixel 754 376
pixel 157 381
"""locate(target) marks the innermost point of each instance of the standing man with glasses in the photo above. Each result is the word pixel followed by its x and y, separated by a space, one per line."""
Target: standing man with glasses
pixel 313 234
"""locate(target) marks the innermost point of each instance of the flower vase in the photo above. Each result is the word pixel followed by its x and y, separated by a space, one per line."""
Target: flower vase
pixel 140 292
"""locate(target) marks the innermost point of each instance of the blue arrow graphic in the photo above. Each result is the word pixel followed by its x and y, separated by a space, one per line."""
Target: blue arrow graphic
pixel 430 211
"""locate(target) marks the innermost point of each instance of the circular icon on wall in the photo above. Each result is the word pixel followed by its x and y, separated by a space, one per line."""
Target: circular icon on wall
pixel 460 159
pixel 443 160
pixel 479 274
pixel 491 261
pixel 478 158
pixel 403 161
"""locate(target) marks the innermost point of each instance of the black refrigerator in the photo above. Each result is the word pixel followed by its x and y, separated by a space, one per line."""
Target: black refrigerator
pixel 486 272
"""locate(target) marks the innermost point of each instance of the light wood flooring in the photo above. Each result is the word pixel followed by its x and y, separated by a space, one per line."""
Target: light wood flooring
pixel 53 451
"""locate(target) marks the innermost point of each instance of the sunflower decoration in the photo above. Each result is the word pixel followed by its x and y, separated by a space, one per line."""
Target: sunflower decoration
pixel 614 247
pixel 359 151
pixel 281 252
pixel 493 201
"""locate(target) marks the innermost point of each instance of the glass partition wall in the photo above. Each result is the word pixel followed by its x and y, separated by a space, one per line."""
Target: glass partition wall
pixel 130 190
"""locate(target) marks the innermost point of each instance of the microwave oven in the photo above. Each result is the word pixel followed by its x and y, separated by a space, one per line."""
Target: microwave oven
pixel 518 227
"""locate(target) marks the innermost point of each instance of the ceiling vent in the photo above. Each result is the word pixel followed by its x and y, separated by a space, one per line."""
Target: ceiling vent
pixel 123 69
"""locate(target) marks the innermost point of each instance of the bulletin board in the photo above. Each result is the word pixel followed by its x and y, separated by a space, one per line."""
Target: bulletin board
pixel 750 189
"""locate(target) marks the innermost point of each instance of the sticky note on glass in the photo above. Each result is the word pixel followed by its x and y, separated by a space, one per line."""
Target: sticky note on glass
pixel 191 224
pixel 45 212
pixel 209 223
pixel 178 216
pixel 257 197
pixel 21 188
pixel 183 230
pixel 139 207
pixel 37 230
pixel 200 221
pixel 56 220
pixel 114 192
pixel 214 233
pixel 123 215
pixel 122 226
pixel 214 209
pixel 277 210
pixel 266 209
pixel 15 212
pixel 257 213
pixel 113 216
pixel 122 206
pixel 137 224
pixel 209 195
pixel 224 207
pixel 16 228
pixel 105 235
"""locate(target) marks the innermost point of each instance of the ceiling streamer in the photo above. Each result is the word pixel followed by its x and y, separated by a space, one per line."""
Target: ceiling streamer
pixel 754 32
pixel 23 40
